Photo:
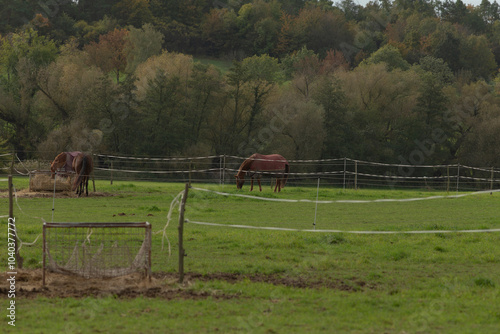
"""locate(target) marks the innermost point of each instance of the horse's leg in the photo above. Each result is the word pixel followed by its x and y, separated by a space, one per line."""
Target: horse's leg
pixel 260 187
pixel 87 185
pixel 251 183
pixel 80 186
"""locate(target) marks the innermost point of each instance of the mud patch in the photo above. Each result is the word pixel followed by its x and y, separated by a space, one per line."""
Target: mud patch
pixel 293 282
pixel 161 285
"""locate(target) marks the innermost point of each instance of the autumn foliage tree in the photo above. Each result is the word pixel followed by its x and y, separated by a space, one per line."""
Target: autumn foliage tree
pixel 109 53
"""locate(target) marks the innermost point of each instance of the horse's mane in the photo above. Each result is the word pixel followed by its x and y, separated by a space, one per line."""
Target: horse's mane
pixel 60 155
pixel 247 163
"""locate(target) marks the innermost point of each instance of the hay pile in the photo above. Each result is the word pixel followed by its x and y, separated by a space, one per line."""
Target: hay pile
pixel 43 182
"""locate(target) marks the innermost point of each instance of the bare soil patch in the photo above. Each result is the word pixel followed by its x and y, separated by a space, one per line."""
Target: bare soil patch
pixel 29 285
pixel 162 285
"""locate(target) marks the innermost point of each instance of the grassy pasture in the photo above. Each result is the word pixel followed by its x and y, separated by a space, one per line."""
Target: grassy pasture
pixel 261 281
pixel 222 65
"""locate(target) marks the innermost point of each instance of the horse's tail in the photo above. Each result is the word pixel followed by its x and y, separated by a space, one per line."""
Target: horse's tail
pixel 78 180
pixel 285 176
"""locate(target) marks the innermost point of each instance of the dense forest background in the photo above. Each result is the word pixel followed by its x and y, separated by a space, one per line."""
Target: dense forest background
pixel 401 81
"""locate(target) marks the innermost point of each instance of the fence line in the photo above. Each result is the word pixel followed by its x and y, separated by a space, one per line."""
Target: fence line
pixel 344 172
pixel 158 171
pixel 158 159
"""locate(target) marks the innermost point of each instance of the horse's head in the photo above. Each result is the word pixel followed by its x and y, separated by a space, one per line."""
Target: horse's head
pixel 240 179
pixel 58 162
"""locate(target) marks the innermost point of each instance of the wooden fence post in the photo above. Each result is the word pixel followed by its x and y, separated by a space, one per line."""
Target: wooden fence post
pixel 111 171
pixel 355 174
pixel 447 179
pixel 44 256
pixel 345 167
pixel 12 163
pixel 93 175
pixel 492 176
pixel 182 252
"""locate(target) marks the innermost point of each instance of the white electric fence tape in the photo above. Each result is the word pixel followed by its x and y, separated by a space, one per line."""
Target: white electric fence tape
pixel 343 201
pixel 347 200
pixel 340 231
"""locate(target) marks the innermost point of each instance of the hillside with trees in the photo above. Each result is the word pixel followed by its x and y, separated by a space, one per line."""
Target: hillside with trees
pixel 308 79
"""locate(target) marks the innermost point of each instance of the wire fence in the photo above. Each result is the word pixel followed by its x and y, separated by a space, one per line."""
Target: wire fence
pixel 341 172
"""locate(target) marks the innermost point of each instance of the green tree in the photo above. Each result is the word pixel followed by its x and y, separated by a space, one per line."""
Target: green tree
pixel 471 107
pixel 453 11
pixel 219 31
pixel 18 109
pixel 4 150
pixel 389 55
pixel 476 57
pixel 262 73
pixel 95 10
pixel 296 127
pixel 437 68
pixel 339 140
pixel 258 24
pixel 382 106
pixel 38 50
pixel 87 33
pixel 133 12
pixel 302 67
pixel 433 129
pixel 142 44
pixel 315 23
pixel 179 21
pixel 205 85
pixel 23 55
pixel 162 124
pixel 445 43
pixel 489 12
pixel 14 14
pixel 163 96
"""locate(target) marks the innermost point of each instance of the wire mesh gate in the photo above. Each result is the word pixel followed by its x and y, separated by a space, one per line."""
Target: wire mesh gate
pixel 97 249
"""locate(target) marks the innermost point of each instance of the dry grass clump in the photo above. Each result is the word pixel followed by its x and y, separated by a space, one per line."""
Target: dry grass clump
pixel 43 182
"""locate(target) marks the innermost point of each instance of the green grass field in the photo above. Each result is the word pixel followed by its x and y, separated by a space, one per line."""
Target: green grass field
pixel 222 65
pixel 265 281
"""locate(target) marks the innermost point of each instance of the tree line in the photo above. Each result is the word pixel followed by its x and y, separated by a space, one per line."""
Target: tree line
pixel 401 82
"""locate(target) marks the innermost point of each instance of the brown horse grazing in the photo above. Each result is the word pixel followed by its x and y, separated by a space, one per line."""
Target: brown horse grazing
pixel 273 165
pixel 63 160
pixel 83 166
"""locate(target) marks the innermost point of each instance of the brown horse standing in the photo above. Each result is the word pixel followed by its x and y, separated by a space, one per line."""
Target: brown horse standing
pixel 83 166
pixel 63 160
pixel 274 165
